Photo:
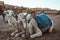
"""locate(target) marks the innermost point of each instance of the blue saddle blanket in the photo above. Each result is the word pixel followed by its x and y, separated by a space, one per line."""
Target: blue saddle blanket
pixel 43 20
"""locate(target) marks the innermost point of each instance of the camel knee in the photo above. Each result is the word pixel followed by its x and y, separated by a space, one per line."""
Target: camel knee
pixel 39 34
pixel 36 35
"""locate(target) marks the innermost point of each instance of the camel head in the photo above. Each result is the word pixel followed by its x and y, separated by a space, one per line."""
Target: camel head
pixel 9 12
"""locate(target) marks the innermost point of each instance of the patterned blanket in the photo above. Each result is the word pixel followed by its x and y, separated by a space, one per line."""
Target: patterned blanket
pixel 43 20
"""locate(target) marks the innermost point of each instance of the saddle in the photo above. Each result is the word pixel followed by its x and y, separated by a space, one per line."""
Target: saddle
pixel 43 21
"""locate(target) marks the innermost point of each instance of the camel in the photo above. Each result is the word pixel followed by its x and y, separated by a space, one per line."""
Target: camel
pixel 13 22
pixel 22 23
pixel 33 28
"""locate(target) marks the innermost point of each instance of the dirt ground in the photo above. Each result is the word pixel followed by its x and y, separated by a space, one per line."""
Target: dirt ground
pixel 5 31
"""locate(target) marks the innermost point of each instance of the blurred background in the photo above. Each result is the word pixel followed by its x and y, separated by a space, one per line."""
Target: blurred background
pixel 51 8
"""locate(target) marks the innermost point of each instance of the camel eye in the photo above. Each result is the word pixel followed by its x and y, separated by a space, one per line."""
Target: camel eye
pixel 7 12
pixel 20 15
pixel 11 12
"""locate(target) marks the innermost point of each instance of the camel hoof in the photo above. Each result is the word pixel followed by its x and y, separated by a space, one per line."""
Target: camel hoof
pixel 16 35
pixel 12 34
pixel 23 35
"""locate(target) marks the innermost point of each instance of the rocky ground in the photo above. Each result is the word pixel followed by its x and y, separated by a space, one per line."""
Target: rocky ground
pixel 5 31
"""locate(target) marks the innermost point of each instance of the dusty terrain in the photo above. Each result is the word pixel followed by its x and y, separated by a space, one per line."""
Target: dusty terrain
pixel 5 31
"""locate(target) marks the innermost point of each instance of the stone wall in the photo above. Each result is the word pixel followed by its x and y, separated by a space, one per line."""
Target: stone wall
pixel 18 9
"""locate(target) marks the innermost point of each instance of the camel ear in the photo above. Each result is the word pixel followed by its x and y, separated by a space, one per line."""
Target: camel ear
pixel 5 12
pixel 13 15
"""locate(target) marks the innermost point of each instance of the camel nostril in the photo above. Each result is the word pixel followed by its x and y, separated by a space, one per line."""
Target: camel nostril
pixel 21 22
pixel 6 22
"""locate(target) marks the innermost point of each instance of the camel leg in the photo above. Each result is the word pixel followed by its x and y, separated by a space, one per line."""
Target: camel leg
pixel 12 34
pixel 3 17
pixel 20 33
pixel 51 28
pixel 38 32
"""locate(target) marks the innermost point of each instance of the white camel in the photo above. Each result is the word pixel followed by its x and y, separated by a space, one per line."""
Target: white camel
pixel 13 22
pixel 32 25
pixel 22 23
